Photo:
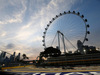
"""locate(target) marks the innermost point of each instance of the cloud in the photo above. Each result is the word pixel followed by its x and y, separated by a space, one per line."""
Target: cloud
pixel 40 18
pixel 2 34
pixel 10 46
pixel 12 12
pixel 38 38
pixel 23 35
pixel 28 20
pixel 47 12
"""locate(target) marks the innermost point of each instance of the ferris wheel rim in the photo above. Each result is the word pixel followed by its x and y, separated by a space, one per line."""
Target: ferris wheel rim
pixel 64 13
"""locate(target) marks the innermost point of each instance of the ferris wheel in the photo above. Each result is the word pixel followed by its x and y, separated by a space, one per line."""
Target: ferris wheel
pixel 68 28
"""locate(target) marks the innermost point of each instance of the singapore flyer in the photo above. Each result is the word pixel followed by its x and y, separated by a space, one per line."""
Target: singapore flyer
pixel 64 30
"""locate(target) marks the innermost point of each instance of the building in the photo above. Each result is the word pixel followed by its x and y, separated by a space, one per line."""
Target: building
pixel 2 56
pixel 12 57
pixel 17 57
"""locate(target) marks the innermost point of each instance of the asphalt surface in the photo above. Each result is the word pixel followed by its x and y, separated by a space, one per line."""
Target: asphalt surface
pixel 30 70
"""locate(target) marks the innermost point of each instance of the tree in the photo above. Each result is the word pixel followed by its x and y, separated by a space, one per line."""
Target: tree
pixel 25 57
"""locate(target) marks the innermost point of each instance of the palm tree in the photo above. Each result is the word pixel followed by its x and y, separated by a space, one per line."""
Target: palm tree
pixel 24 56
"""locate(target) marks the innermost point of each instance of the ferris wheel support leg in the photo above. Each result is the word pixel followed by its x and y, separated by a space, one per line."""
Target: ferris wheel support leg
pixel 58 40
pixel 64 44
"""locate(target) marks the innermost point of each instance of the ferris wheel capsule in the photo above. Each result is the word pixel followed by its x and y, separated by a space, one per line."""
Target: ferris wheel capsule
pixel 56 15
pixel 60 13
pixel 85 20
pixel 45 28
pixel 69 12
pixel 50 21
pixel 78 13
pixel 86 39
pixel 88 32
pixel 64 12
pixel 53 18
pixel 88 26
pixel 48 25
pixel 74 12
pixel 82 16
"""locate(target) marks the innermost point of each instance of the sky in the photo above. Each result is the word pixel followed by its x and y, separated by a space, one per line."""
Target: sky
pixel 22 22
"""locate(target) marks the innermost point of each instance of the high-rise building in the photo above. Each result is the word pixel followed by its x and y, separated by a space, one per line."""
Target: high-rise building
pixel 80 47
pixel 2 56
pixel 14 54
pixel 18 57
pixel 12 57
